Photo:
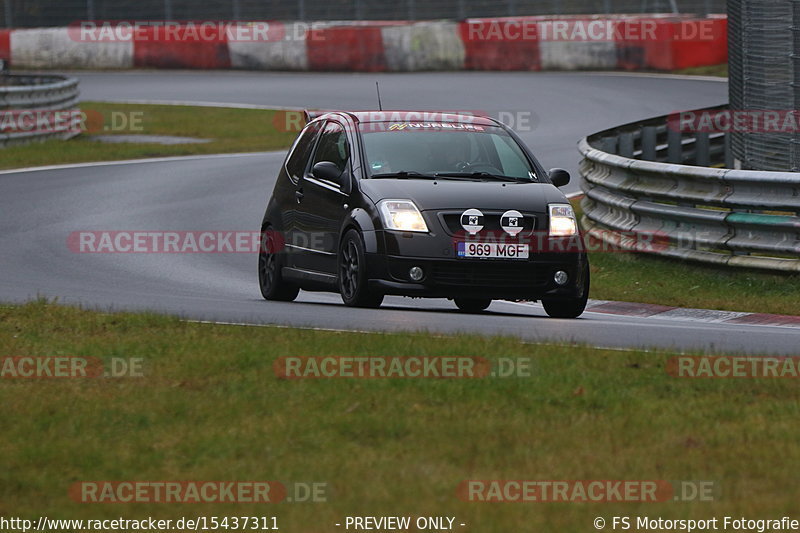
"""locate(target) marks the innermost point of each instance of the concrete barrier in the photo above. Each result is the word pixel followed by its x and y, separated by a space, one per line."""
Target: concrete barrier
pixel 700 42
pixel 674 43
pixel 633 42
pixel 60 48
pixel 156 48
pixel 501 44
pixel 5 46
pixel 423 46
pixel 567 44
pixel 349 48
pixel 284 52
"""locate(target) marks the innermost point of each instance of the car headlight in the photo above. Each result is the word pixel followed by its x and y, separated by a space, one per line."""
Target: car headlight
pixel 562 220
pixel 401 215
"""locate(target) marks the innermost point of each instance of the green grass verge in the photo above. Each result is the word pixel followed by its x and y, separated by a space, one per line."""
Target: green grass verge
pixel 710 70
pixel 231 131
pixel 211 408
pixel 642 278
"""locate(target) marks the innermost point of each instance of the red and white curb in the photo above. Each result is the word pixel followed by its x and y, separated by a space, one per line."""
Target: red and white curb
pixel 664 312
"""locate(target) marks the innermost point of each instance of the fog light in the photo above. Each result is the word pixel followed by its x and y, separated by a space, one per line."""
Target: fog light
pixel 561 277
pixel 416 274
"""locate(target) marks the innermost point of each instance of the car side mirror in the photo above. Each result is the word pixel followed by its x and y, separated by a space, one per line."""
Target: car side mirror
pixel 559 177
pixel 325 170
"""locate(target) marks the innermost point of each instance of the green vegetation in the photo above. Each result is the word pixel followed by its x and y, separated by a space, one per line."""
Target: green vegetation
pixel 230 131
pixel 211 408
pixel 649 279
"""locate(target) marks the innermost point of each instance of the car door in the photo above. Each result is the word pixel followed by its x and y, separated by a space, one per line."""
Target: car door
pixel 322 203
pixel 297 163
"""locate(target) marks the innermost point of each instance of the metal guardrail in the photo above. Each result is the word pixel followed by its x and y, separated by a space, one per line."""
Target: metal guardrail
pixel 644 192
pixel 39 94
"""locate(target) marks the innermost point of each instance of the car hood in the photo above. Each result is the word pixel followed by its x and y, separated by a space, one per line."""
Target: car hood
pixel 452 194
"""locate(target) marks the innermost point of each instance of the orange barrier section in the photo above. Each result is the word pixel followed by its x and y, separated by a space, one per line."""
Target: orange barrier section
pixel 500 44
pixel 350 48
pixel 5 45
pixel 670 44
pixel 703 42
pixel 153 47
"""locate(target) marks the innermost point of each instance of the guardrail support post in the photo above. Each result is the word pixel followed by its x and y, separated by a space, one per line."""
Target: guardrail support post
pixel 626 144
pixel 609 145
pixel 649 136
pixel 702 157
pixel 728 152
pixel 674 146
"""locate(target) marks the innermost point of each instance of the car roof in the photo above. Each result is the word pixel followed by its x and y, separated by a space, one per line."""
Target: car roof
pixel 407 116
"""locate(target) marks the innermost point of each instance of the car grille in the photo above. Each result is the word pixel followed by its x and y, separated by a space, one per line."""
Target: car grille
pixel 490 273
pixel 452 223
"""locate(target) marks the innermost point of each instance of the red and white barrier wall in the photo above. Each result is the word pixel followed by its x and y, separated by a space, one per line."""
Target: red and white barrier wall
pixel 635 42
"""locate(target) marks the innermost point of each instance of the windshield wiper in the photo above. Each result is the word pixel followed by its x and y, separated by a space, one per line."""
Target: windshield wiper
pixel 480 175
pixel 403 174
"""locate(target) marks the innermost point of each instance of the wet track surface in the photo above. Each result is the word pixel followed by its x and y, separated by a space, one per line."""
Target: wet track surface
pixel 40 209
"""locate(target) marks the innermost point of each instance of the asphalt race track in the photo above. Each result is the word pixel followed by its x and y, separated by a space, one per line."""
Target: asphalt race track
pixel 551 111
pixel 41 208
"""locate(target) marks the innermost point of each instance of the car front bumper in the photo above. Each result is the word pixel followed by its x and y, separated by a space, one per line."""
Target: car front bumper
pixel 448 276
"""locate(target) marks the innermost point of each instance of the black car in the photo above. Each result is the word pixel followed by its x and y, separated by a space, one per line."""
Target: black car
pixel 420 204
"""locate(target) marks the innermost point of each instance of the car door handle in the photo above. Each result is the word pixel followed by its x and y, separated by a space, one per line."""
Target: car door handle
pixel 298 194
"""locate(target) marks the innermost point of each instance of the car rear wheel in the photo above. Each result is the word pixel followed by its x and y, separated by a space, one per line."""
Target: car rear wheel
pixel 273 286
pixel 472 305
pixel 572 307
pixel 353 273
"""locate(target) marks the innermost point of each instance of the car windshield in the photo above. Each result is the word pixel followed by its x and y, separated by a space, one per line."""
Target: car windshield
pixel 447 150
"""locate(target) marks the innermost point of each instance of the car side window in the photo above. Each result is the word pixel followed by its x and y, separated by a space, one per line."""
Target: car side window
pixel 333 146
pixel 296 163
pixel 512 161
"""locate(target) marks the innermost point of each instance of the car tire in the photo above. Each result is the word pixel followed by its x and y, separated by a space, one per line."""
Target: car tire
pixel 352 267
pixel 572 307
pixel 270 279
pixel 472 305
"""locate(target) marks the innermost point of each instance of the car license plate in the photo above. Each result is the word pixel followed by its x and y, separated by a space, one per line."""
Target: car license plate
pixel 492 250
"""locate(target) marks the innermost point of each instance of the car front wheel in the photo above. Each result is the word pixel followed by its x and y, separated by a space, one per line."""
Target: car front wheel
pixel 353 273
pixel 572 307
